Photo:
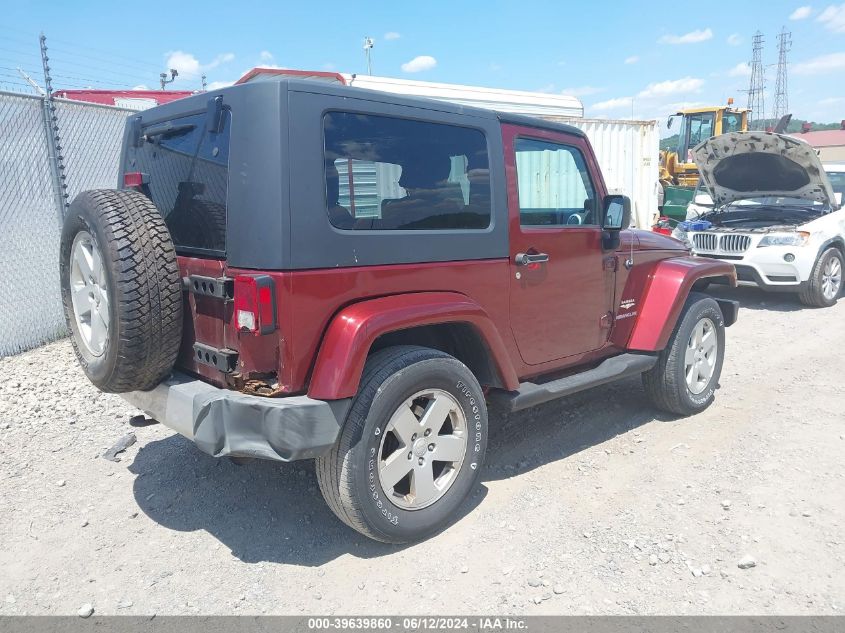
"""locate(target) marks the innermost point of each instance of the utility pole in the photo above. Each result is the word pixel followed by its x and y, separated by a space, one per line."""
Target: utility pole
pixel 368 46
pixel 781 105
pixel 757 84
pixel 204 84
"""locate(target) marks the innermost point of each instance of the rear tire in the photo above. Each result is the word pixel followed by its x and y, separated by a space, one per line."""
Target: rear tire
pixel 120 280
pixel 686 375
pixel 378 477
pixel 825 283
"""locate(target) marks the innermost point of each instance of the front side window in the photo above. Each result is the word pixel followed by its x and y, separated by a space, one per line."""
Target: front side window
pixel 386 173
pixel 554 185
pixel 188 169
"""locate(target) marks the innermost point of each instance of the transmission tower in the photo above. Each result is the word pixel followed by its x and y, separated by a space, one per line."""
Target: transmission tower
pixel 756 100
pixel 781 106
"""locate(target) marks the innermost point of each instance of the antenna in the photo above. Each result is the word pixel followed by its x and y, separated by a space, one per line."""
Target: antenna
pixel 757 85
pixel 368 46
pixel 163 80
pixel 781 106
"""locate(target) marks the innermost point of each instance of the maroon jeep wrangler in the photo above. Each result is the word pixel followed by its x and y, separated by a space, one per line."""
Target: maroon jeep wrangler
pixel 294 270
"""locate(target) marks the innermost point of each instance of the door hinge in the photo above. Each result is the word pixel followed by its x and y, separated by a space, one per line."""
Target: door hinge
pixel 606 321
pixel 611 263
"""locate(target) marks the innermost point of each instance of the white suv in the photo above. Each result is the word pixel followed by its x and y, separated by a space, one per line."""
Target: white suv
pixel 767 205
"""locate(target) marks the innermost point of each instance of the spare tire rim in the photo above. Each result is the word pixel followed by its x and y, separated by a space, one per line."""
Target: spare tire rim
pixel 422 449
pixel 831 278
pixel 700 356
pixel 89 293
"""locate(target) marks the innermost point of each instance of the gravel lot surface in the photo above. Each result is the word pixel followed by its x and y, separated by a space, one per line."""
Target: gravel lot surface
pixel 593 504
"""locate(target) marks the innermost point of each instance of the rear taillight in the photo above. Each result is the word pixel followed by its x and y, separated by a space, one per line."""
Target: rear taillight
pixel 134 179
pixel 255 304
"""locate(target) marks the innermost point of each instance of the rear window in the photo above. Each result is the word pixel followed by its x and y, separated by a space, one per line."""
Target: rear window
pixel 386 173
pixel 188 175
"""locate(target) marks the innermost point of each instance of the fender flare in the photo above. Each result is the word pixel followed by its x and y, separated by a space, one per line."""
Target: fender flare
pixel 837 240
pixel 669 285
pixel 352 331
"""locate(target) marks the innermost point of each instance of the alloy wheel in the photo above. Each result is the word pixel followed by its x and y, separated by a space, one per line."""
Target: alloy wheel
pixel 701 355
pixel 89 293
pixel 831 278
pixel 422 449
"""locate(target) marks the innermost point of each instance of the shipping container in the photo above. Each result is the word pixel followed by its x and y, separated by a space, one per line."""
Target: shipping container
pixel 628 153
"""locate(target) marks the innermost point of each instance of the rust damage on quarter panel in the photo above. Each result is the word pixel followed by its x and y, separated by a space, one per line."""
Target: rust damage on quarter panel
pixel 256 384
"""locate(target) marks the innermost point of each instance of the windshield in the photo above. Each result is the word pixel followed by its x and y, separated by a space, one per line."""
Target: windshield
pixel 837 181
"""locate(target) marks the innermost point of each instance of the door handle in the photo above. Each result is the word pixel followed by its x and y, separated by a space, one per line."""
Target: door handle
pixel 523 259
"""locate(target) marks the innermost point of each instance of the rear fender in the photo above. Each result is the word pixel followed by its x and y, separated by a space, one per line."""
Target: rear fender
pixel 353 330
pixel 669 285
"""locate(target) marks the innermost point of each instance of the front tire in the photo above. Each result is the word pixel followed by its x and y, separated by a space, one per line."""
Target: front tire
pixel 825 283
pixel 685 377
pixel 411 448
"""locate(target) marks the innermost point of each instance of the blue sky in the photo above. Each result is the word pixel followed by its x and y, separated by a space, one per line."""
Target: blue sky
pixel 606 53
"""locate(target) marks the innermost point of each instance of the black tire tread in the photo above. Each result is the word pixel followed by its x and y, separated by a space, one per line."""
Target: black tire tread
pixel 333 478
pixel 661 381
pixel 810 294
pixel 147 290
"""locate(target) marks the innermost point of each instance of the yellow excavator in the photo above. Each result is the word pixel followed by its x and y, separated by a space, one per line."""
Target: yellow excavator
pixel 678 172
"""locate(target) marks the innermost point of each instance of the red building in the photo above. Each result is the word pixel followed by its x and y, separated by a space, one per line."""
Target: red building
pixel 133 99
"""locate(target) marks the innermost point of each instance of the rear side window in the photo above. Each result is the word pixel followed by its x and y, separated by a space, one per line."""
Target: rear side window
pixel 188 175
pixel 386 173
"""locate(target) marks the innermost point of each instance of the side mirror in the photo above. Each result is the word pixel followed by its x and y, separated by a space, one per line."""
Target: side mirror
pixel 669 122
pixel 617 213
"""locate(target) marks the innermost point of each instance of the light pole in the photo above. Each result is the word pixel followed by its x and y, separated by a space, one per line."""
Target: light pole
pixel 164 80
pixel 368 46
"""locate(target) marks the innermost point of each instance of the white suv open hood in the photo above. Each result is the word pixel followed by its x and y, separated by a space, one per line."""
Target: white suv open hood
pixel 742 165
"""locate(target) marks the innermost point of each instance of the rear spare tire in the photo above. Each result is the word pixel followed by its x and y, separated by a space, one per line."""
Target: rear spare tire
pixel 121 290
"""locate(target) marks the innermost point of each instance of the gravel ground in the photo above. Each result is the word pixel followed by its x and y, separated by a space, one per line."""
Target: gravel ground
pixel 593 504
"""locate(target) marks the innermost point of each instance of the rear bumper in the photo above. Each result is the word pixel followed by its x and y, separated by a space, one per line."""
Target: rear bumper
pixel 226 423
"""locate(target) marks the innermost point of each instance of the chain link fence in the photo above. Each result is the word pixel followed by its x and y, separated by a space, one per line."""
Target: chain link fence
pixel 30 211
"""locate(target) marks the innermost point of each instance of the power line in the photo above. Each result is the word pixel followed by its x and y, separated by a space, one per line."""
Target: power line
pixel 73 68
pixel 110 54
